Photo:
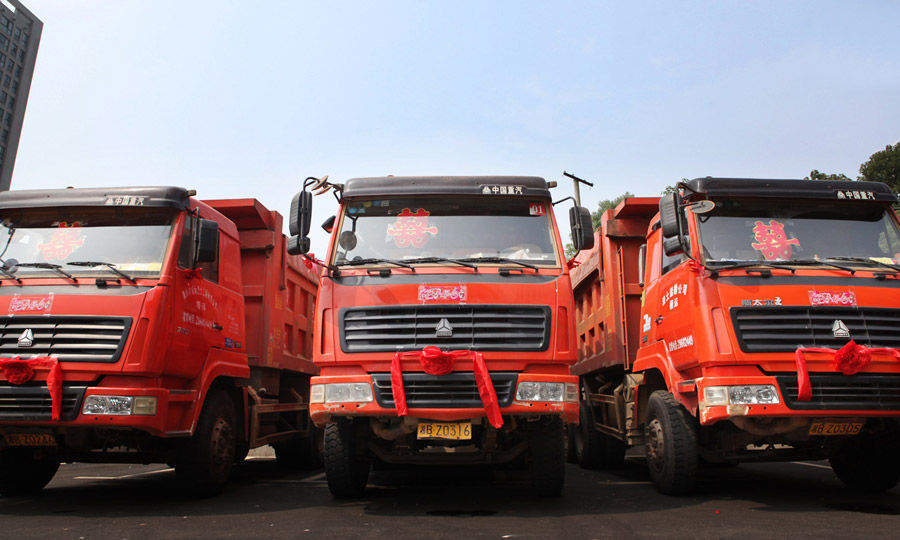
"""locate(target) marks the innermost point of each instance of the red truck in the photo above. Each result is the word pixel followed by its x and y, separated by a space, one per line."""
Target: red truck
pixel 444 330
pixel 743 320
pixel 143 325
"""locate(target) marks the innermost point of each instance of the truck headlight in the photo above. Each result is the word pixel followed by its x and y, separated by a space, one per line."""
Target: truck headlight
pixel 120 405
pixel 347 392
pixel 747 394
pixel 317 393
pixel 542 391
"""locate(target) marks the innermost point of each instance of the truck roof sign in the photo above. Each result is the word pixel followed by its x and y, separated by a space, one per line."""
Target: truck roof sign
pixel 164 196
pixel 700 188
pixel 529 186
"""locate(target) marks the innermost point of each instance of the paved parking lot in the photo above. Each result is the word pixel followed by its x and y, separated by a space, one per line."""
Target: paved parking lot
pixel 756 500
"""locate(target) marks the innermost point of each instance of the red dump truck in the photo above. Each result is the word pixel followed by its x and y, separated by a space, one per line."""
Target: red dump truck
pixel 142 325
pixel 444 330
pixel 743 320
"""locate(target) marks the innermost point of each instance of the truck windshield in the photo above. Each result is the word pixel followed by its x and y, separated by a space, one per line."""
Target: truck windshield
pixel 798 230
pixel 133 240
pixel 412 228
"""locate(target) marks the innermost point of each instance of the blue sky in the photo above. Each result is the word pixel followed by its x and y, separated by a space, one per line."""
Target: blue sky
pixel 238 101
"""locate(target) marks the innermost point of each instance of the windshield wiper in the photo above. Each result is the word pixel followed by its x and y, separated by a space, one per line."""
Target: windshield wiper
pixel 359 262
pixel 112 267
pixel 733 265
pixel 814 262
pixel 49 266
pixel 865 260
pixel 425 260
pixel 499 260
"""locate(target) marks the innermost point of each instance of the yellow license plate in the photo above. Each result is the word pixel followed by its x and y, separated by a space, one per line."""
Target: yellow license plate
pixel 29 439
pixel 455 431
pixel 835 428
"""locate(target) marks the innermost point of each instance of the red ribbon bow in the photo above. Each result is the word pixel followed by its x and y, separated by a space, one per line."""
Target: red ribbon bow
pixel 20 371
pixel 849 360
pixel 191 273
pixel 437 362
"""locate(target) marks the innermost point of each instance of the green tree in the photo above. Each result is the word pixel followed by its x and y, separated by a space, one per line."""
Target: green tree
pixel 883 166
pixel 816 175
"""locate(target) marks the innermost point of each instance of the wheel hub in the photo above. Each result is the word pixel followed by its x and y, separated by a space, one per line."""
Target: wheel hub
pixel 655 445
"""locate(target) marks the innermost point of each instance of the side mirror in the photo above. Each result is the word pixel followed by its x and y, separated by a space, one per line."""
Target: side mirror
pixel 673 245
pixel 301 214
pixel 582 228
pixel 207 241
pixel 297 245
pixel 670 215
pixel 642 264
pixel 328 224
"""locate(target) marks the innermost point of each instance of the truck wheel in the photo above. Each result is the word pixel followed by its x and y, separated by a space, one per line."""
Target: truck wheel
pixel 593 449
pixel 672 455
pixel 24 471
pixel 300 453
pixel 868 463
pixel 208 456
pixel 346 468
pixel 548 457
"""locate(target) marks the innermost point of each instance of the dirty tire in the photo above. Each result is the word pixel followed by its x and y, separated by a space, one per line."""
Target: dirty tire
pixel 672 456
pixel 346 468
pixel 300 453
pixel 548 457
pixel 588 443
pixel 208 457
pixel 868 462
pixel 24 471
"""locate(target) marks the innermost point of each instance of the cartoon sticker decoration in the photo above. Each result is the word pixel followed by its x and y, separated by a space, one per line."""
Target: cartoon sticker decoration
pixel 442 293
pixel 411 229
pixel 30 304
pixel 832 298
pixel 66 239
pixel 772 242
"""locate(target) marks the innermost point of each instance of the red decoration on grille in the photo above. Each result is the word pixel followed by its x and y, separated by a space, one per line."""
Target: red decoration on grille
pixel 849 359
pixel 18 371
pixel 437 362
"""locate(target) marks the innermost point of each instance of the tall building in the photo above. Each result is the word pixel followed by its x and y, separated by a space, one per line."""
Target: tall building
pixel 20 33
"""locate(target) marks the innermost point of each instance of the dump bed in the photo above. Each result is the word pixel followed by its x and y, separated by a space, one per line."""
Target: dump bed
pixel 607 289
pixel 279 290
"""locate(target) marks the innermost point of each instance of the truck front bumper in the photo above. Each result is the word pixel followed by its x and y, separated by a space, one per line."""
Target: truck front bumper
pixel 322 413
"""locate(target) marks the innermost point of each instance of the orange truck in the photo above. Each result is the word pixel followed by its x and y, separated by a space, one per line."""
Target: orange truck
pixel 143 325
pixel 743 320
pixel 444 330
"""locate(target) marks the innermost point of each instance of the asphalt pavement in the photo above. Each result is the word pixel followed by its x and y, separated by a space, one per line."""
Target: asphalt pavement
pixel 774 500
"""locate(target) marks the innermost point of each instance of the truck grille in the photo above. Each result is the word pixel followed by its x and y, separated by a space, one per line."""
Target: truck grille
pixel 783 329
pixel 32 402
pixel 843 392
pixel 455 390
pixel 471 327
pixel 70 339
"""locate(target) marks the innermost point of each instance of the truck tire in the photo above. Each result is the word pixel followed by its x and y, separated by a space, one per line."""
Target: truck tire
pixel 548 457
pixel 346 468
pixel 868 462
pixel 672 454
pixel 594 449
pixel 25 471
pixel 300 453
pixel 208 456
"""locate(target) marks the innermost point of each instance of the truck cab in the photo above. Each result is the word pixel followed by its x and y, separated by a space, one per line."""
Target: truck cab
pixel 443 328
pixel 760 325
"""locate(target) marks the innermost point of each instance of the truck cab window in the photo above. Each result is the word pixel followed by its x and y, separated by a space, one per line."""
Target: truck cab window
pixel 671 261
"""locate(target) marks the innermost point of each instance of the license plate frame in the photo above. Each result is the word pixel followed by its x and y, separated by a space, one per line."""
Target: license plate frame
pixel 447 431
pixel 836 427
pixel 21 439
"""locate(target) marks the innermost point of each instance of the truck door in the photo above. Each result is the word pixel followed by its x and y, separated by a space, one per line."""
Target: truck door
pixel 674 321
pixel 206 313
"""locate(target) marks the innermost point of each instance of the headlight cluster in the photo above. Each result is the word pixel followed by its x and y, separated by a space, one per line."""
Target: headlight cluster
pixel 748 394
pixel 120 405
pixel 340 393
pixel 546 391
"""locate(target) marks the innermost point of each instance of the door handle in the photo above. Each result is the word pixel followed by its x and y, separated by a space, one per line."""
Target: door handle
pixel 659 320
pixel 216 326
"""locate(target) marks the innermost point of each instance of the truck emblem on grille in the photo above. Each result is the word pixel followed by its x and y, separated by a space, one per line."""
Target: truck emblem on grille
pixel 26 339
pixel 839 329
pixel 443 329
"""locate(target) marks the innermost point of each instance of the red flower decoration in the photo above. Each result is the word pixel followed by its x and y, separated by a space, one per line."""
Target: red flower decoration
pixel 852 358
pixel 18 371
